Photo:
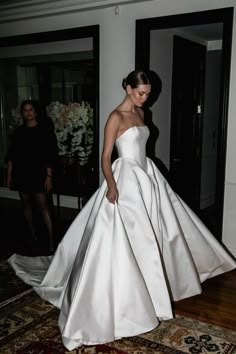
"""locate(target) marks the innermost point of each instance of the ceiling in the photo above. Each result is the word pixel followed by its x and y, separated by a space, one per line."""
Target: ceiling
pixel 209 32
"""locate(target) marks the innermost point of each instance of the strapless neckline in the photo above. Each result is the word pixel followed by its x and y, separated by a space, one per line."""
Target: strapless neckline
pixel 134 126
pixel 108 244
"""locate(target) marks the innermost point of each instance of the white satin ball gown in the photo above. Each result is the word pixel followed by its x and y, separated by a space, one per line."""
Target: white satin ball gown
pixel 118 267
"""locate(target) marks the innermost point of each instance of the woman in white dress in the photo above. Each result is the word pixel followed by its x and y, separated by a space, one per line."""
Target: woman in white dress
pixel 134 247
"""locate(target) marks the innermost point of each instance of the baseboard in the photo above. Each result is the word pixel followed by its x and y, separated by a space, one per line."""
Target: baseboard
pixel 65 201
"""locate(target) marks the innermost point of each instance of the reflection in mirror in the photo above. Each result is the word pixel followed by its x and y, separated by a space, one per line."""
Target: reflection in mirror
pixel 188 61
pixel 59 70
pixel 64 85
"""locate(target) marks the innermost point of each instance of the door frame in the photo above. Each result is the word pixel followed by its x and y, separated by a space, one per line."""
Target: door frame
pixel 142 58
pixel 62 35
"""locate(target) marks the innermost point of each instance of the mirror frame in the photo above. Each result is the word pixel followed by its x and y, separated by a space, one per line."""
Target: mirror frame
pixel 62 35
pixel 142 58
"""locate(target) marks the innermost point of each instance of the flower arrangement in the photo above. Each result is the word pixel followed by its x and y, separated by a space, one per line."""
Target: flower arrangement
pixel 16 119
pixel 73 125
pixel 74 129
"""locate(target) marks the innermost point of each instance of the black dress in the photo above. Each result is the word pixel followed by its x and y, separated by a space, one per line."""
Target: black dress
pixel 32 151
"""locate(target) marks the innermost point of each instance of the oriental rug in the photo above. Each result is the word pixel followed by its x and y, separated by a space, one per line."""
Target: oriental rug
pixel 10 285
pixel 28 325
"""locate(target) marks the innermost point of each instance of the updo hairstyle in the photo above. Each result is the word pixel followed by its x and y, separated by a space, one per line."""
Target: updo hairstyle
pixel 135 78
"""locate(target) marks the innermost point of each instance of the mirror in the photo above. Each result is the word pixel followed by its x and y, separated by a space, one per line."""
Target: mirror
pixel 191 55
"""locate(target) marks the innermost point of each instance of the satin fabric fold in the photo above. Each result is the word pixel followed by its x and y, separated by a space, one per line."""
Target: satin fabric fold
pixel 118 267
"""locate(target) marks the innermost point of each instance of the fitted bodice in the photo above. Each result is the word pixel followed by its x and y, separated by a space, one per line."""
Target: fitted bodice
pixel 132 144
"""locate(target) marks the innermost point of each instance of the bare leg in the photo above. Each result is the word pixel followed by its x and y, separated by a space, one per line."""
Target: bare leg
pixel 43 205
pixel 27 206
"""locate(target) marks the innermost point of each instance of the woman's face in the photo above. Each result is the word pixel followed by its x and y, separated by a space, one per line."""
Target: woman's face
pixel 28 112
pixel 139 95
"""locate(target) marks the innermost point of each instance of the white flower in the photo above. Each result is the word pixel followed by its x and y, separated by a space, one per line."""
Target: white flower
pixel 74 129
pixel 16 118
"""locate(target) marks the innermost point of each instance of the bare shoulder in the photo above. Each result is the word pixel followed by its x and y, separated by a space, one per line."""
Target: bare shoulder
pixel 114 119
pixel 140 112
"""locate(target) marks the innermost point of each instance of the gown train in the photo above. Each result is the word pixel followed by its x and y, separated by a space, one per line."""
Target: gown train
pixel 118 267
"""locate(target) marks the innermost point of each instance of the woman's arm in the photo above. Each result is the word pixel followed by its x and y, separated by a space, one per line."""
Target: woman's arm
pixel 11 156
pixel 48 180
pixel 110 134
pixel 9 173
pixel 51 153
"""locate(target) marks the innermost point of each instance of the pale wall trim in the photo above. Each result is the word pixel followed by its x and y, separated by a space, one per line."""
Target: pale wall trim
pixel 57 47
pixel 66 201
pixel 26 9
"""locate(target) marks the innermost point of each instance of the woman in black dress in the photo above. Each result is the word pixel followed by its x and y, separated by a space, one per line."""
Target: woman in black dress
pixel 30 159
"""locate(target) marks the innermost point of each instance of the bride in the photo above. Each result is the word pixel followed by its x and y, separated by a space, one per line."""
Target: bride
pixel 134 247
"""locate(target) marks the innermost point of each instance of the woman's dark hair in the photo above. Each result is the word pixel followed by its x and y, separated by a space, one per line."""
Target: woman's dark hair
pixel 135 78
pixel 33 103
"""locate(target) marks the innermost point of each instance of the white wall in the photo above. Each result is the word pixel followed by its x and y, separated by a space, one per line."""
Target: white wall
pixel 117 46
pixel 161 56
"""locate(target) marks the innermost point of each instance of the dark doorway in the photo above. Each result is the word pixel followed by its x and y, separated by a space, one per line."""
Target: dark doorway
pixel 188 78
pixel 185 135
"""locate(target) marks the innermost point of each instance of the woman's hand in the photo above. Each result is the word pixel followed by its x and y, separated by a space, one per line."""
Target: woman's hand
pixel 9 174
pixel 112 193
pixel 48 183
pixel 110 134
pixel 9 182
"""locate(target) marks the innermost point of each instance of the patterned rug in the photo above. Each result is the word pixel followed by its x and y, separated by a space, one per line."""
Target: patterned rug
pixel 28 325
pixel 10 285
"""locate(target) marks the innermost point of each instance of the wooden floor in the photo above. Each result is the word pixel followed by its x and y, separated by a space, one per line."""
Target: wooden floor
pixel 216 304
